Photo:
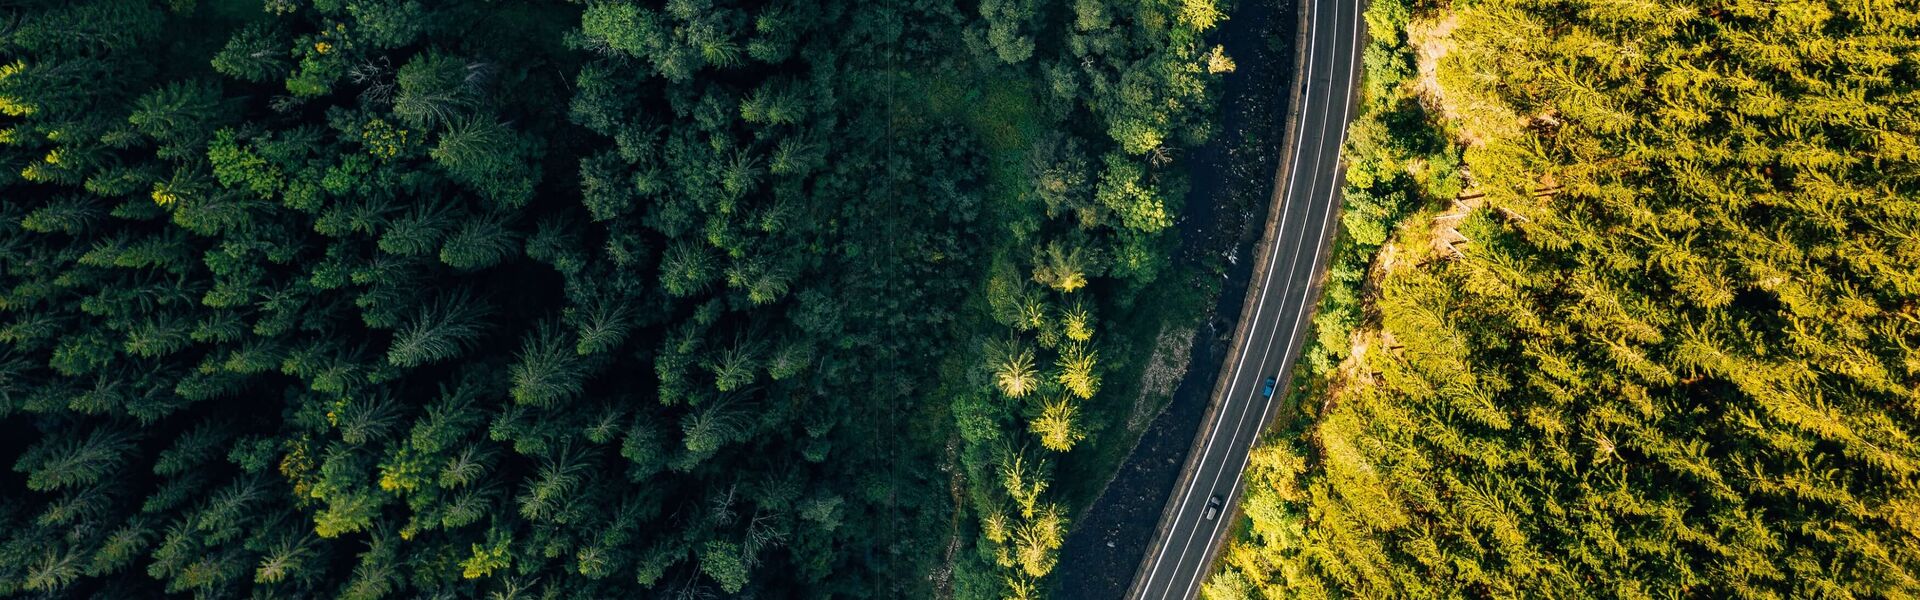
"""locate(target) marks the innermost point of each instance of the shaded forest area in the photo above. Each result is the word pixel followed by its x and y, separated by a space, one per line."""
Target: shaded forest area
pixel 393 298
pixel 1672 351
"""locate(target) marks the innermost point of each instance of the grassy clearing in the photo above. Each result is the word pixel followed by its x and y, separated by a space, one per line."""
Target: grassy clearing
pixel 1003 115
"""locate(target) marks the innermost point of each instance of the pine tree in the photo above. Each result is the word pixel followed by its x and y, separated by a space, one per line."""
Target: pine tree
pixel 70 460
pixel 548 371
pixel 256 53
pixel 480 242
pixel 181 116
pixel 1057 425
pixel 1013 369
pixel 436 89
pixel 484 154
pixel 442 330
pixel 686 269
pixel 1065 268
pixel 1077 372
pixel 421 230
pixel 603 326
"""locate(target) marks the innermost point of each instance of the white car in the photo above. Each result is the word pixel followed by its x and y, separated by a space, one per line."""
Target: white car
pixel 1213 507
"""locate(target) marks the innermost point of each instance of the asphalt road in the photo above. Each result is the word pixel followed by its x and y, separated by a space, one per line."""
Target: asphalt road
pixel 1177 563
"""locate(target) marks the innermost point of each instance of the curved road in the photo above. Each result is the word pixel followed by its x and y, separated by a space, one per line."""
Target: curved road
pixel 1178 561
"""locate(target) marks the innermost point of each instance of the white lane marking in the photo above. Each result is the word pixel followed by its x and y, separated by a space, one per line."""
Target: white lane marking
pixel 1326 226
pixel 1286 201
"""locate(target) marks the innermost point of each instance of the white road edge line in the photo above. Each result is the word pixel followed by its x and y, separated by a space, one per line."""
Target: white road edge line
pixel 1286 200
pixel 1346 106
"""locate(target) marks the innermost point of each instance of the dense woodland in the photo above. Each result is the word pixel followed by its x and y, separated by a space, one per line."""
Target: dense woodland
pixel 694 298
pixel 1674 351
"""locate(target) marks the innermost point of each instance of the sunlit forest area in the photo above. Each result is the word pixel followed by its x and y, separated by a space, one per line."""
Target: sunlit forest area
pixel 1654 334
pixel 543 299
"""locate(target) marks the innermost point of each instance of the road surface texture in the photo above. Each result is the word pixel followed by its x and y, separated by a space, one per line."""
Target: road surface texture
pixel 1282 305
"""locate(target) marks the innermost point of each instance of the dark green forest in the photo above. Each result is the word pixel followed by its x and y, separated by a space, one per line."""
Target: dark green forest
pixel 1639 315
pixel 523 299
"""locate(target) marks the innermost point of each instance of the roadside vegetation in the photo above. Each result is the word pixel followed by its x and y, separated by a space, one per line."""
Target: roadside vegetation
pixel 392 298
pixel 1666 343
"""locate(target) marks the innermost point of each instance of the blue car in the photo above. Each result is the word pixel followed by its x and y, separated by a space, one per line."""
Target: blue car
pixel 1267 390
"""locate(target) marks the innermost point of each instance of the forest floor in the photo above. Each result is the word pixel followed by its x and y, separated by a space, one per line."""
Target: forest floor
pixel 1232 180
